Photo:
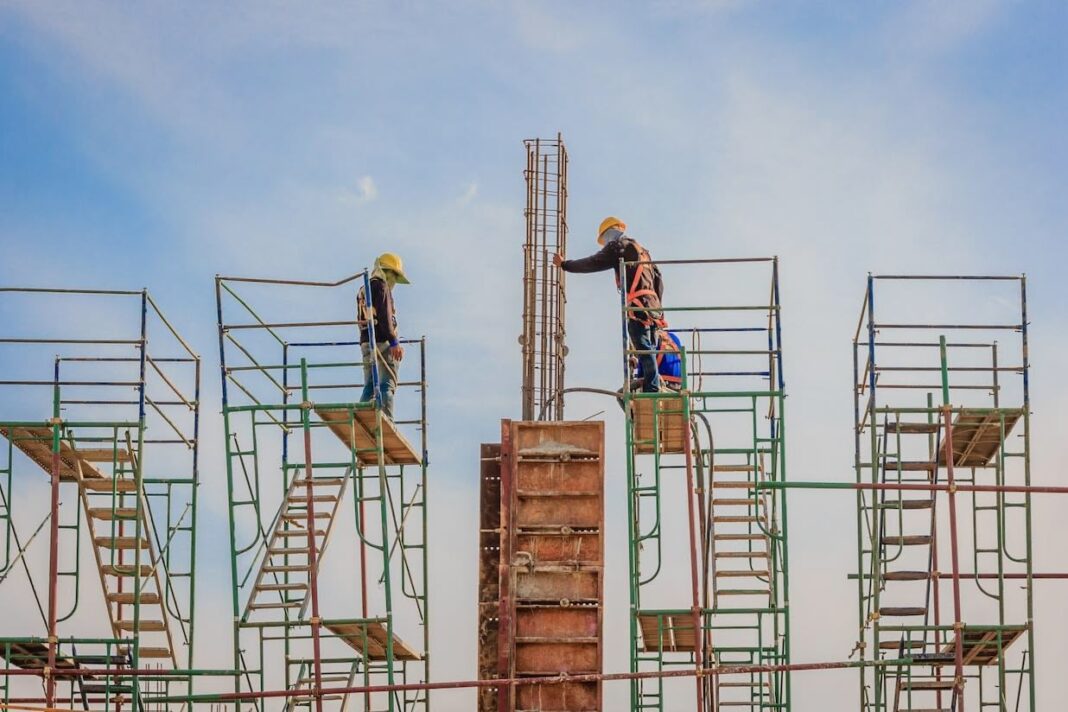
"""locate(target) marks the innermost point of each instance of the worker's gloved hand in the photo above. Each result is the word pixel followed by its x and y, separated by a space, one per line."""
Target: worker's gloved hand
pixel 557 259
pixel 397 353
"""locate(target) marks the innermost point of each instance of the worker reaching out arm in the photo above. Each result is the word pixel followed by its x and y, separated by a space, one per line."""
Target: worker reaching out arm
pixel 388 271
pixel 643 285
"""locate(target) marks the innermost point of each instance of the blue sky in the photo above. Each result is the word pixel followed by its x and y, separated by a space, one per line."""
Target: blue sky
pixel 158 145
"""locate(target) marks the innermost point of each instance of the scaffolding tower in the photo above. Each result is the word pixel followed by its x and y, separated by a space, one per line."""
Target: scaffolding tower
pixel 704 449
pixel 298 442
pixel 945 579
pixel 542 340
pixel 101 420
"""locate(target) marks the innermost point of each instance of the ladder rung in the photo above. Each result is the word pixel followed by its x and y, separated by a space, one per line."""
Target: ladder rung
pixel 119 570
pixel 907 575
pixel 907 504
pixel 283 551
pixel 902 611
pixel 739 537
pixel 909 466
pixel 743 592
pixel 280 587
pixel 144 626
pixel 299 532
pixel 120 542
pixel 320 482
pixel 108 514
pixel 127 597
pixel 742 574
pixel 737 502
pixel 296 499
pixel 284 569
pixel 284 604
pixel 909 540
pixel 741 554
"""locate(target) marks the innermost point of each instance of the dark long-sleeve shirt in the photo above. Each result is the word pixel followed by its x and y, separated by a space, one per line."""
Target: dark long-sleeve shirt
pixel 608 257
pixel 385 317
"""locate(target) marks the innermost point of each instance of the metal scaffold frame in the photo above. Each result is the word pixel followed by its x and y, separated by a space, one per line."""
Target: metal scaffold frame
pixel 542 340
pixel 290 461
pixel 954 428
pixel 127 466
pixel 723 428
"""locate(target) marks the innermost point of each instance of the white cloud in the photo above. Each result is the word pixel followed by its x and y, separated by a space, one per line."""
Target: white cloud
pixel 470 193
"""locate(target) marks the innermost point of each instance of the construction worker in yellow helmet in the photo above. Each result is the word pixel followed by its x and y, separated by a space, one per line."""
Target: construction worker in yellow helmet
pixel 644 290
pixel 380 316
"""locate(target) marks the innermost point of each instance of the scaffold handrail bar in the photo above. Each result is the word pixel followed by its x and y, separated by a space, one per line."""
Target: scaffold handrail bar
pixel 291 282
pixel 288 325
pixel 126 359
pixel 991 327
pixel 705 261
pixel 894 486
pixel 950 277
pixel 743 307
pixel 70 383
pixel 103 342
pixel 57 290
pixel 406 340
pixel 931 344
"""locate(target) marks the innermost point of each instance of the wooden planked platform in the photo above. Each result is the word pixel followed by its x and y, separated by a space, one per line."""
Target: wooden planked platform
pixel 658 422
pixel 36 443
pixel 977 436
pixel 397 449
pixel 981 644
pixel 34 656
pixel 372 633
pixel 672 631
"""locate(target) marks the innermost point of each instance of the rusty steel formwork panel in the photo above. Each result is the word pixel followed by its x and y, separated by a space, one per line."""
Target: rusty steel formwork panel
pixel 552 555
pixel 489 561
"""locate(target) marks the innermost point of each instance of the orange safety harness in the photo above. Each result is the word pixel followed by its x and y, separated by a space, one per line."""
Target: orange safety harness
pixel 642 286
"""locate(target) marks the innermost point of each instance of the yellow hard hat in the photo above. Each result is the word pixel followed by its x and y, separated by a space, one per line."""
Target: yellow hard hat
pixel 609 222
pixel 392 262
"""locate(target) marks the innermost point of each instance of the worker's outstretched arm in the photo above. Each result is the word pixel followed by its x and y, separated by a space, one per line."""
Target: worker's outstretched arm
pixel 606 258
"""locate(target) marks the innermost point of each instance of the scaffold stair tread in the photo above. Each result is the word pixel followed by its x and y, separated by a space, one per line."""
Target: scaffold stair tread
pixel 741 554
pixel 275 606
pixel 359 435
pixel 319 482
pixel 109 514
pixel 370 638
pixel 936 685
pixel 907 540
pixel 733 468
pixel 737 502
pixel 147 598
pixel 144 626
pixel 743 592
pixel 36 443
pixel 285 569
pixel 302 498
pixel 741 574
pixel 122 571
pixel 907 504
pixel 108 485
pixel 736 519
pixel 34 656
pixel 302 516
pixel 120 542
pixel 902 611
pixel 300 532
pixel 739 537
pixel 289 551
pixel 281 586
pixel 907 575
pixel 977 436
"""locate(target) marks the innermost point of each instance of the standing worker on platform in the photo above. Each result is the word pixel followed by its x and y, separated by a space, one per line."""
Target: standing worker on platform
pixel 388 270
pixel 644 291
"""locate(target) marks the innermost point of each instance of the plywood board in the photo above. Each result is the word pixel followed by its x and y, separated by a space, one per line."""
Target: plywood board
pixel 359 434
pixel 36 443
pixel 370 638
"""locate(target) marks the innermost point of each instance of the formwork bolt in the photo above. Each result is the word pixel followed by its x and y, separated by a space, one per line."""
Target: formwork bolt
pixel 565 603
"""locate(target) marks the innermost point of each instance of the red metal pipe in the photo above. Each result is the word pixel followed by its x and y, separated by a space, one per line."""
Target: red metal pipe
pixel 698 634
pixel 504 620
